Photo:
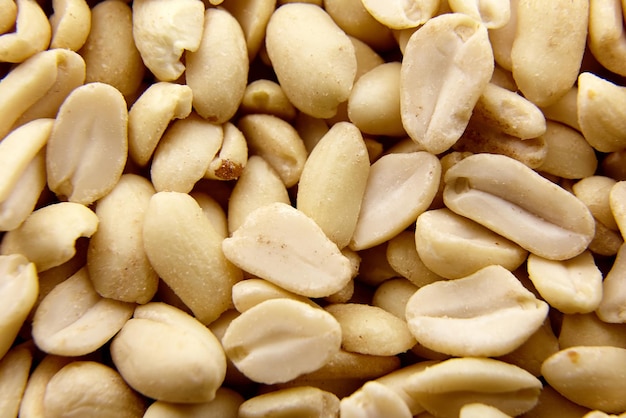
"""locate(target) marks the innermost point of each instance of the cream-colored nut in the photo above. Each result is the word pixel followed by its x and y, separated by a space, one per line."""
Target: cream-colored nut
pixel 595 192
pixel 186 253
pixel 225 405
pixel 612 307
pixel 14 371
pixel 374 400
pixel 303 401
pixel 117 262
pixel 304 43
pixel 90 388
pixel 73 320
pixel 32 405
pixel 371 330
pixel 617 203
pixel 249 293
pixel 93 123
pixel 18 292
pixel 571 286
pixel 184 153
pixel 552 403
pixel 374 268
pixel 398 381
pixel 310 129
pixel 47 237
pixel 374 103
pixel 348 365
pixel 259 185
pixel 295 339
pixel 607 40
pixel 163 30
pixel 213 211
pixel 109 51
pixel 502 38
pixel 444 388
pixel 441 235
pixel 366 58
pixel 266 96
pixel 481 322
pixel 393 295
pixel 280 244
pixel 400 14
pixel 277 142
pixel 545 71
pixel 514 201
pixel 493 13
pixel 600 414
pixel 613 165
pixel 32 34
pixel 345 294
pixel 399 188
pixel 565 109
pixel 233 155
pixel 165 354
pixel 605 241
pixel 403 257
pixel 601 112
pixel 337 168
pixel 50 278
pixel 151 114
pixel 8 15
pixel 218 71
pixel 589 330
pixel 70 24
pixel 253 17
pixel 436 100
pixel 589 376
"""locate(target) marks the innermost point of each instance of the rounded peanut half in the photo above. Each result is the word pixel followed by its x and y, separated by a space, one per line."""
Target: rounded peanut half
pixel 347 365
pixel 32 404
pixel 437 97
pixel 280 244
pixel 617 203
pixel 374 399
pixel 225 405
pixel 304 43
pixel 400 14
pixel 493 13
pixel 481 322
pixel 14 372
pixel 9 14
pixel 595 192
pixel 502 38
pixel 233 156
pixel 479 410
pixel 70 23
pixel 403 257
pixel 253 17
pixel 294 339
pixel 392 296
pixel 32 34
pixel 249 293
pixel 166 354
pixel 516 202
pixel 589 376
pixel 612 306
pixel 302 401
pixel 607 40
pixel 266 96
pixel 589 330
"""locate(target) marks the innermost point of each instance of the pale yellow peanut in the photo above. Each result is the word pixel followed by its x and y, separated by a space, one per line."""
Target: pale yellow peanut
pixel 565 109
pixel 213 211
pixel 512 200
pixel 186 253
pixel 300 401
pixel 613 165
pixel 493 13
pixel 589 330
pixel 503 78
pixel 589 376
pixel 73 320
pixel 617 203
pixel 310 129
pixel 88 387
pixel 374 399
pixel 605 241
pixel 436 98
pixel 225 405
pixel 253 17
pixel 217 71
pixel 595 192
pixel 613 303
pixel 502 38
pixel 14 371
pixel 98 158
pixel 441 235
pixel 349 365
pixel 48 236
pixel 543 68
pixel 403 257
pixel 280 244
pixel 163 30
pixel 32 405
pixel 607 40
pixel 232 157
pixel 8 15
pixel 552 403
pixel 70 23
pixel 479 410
pixel 366 58
pixel 304 43
pixel 266 96
pixel 116 260
pixel 398 14
pixel 32 34
pixel 399 188
pixel 109 51
pixel 343 295
pixel 151 114
pixel 374 268
pixel 479 324
pixel 295 339
pixel 249 293
pixel 393 295
pixel 398 381
pixel 568 154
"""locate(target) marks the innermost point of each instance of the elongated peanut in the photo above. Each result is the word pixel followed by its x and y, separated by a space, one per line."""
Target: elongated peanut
pixel 253 17
pixel 607 40
pixel 374 399
pixel 70 23
pixel 398 14
pixel 298 401
pixel 32 33
pixel 611 308
pixel 493 14
pixel 14 372
pixel 9 13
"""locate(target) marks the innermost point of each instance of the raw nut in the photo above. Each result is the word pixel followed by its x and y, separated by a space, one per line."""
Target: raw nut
pixel 374 400
pixel 9 14
pixel 392 296
pixel 266 96
pixel 303 401
pixel 295 339
pixel 249 293
pixel 213 211
pixel 437 98
pixel 304 43
pixel 93 124
pixel 564 110
pixel 280 244
pixel 14 371
pixel 167 355
pixel 617 203
pixel 233 155
pixel 398 381
pixel 253 17
pixel 595 192
pixel 70 23
pixel 613 303
pixel 225 405
pixel 502 40
pixel 32 404
pixel 403 257
pixel 401 14
pixel 607 41
pixel 589 330
pixel 163 30
pixel 495 315
pixel 348 365
pixel 479 410
pixel 32 34
pixel 366 58
pixel 516 202
pixel 493 13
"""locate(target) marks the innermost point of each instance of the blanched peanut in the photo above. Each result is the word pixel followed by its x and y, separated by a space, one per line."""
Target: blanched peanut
pixel 14 371
pixel 32 405
pixel 47 237
pixel 249 293
pixel 393 295
pixel 266 96
pixel 163 30
pixel 403 257
pixel 617 203
pixel 233 155
pixel 118 266
pixel 441 235
pixel 93 123
pixel 493 14
pixel 213 212
pixel 524 207
pixel 398 14
pixel 589 376
pixel 87 387
pixel 595 192
pixel 225 405
pixel 374 400
pixel 545 70
pixel 253 17
pixel 72 307
pixel 605 241
pixel 552 403
pixel 303 43
pixel 168 355
pixel 280 244
pixel 502 38
pixel 607 40
pixel 589 330
pixel 8 15
pixel 348 365
pixel 299 401
pixel 218 71
pixel 613 304
pixel 479 410
pixel 295 339
pixel 398 381
pixel 32 34
pixel 366 58
pixel 565 109
pixel 399 188
pixel 186 253
pixel 70 23
pixel 436 100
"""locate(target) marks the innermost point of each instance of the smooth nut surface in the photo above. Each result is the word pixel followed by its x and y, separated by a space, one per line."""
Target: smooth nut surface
pixel 374 399
pixel 299 401
pixel 399 14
